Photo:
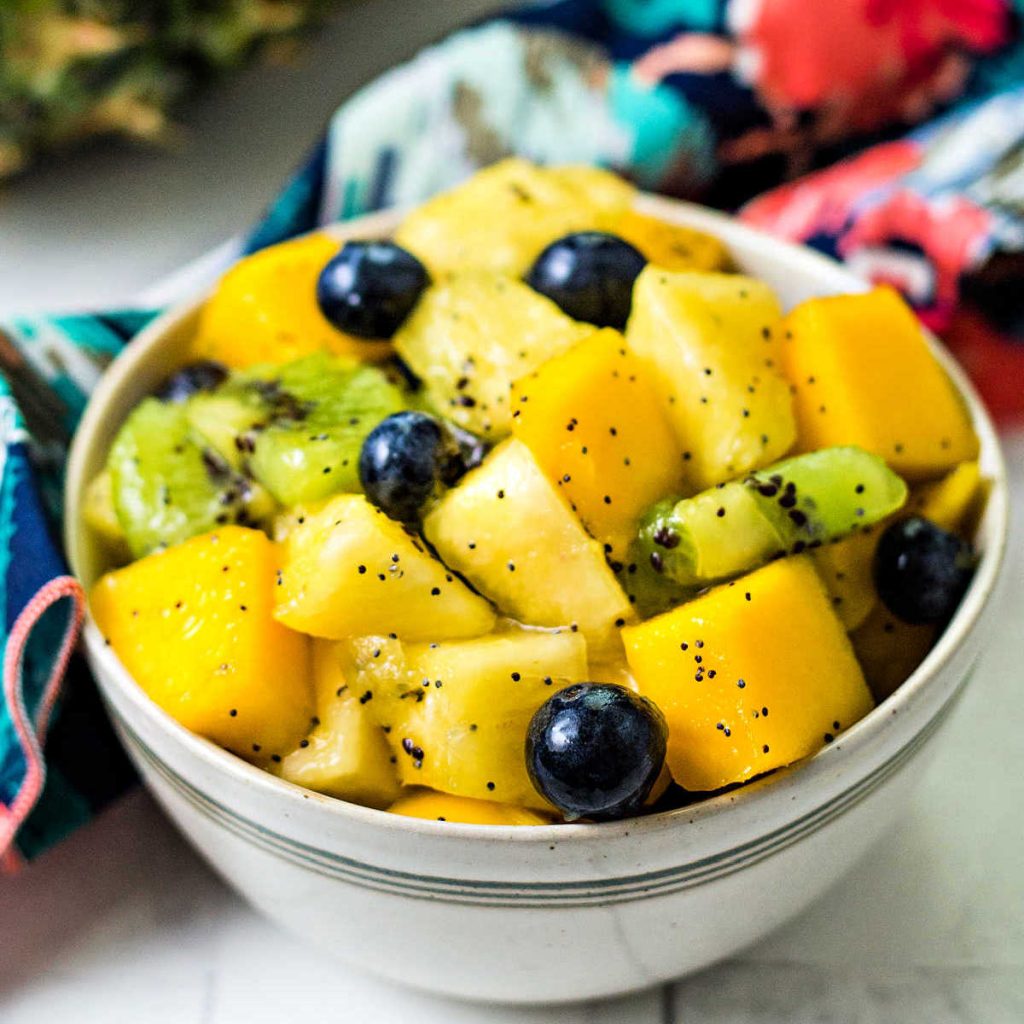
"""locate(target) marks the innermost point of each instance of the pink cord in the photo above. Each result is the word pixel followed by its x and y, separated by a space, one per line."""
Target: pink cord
pixel 31 734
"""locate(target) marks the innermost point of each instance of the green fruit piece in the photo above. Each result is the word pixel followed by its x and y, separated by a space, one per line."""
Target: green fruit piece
pixel 649 592
pixel 297 428
pixel 228 420
pixel 796 504
pixel 322 409
pixel 100 515
pixel 166 486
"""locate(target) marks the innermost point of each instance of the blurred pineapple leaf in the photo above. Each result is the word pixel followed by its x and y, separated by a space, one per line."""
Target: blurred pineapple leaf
pixel 79 68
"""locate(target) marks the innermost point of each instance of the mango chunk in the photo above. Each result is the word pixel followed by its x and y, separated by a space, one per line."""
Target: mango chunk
pixel 426 803
pixel 863 374
pixel 193 625
pixel 349 570
pixel 597 430
pixel 708 343
pixel 264 309
pixel 752 676
pixel 345 754
pixel 502 217
pixel 668 245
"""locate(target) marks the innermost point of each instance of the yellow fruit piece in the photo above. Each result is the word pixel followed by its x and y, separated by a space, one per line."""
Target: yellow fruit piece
pixel 708 342
pixel 98 509
pixel 100 516
pixel 193 626
pixel 597 430
pixel 434 806
pixel 502 217
pixel 598 188
pixel 846 570
pixel 265 311
pixel 611 667
pixel 345 753
pixel 750 677
pixel 863 374
pixel 471 335
pixel 889 650
pixel 456 713
pixel 508 530
pixel 661 784
pixel 953 501
pixel 671 246
pixel 349 570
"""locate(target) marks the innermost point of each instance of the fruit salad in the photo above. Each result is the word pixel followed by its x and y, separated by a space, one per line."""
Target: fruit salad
pixel 539 511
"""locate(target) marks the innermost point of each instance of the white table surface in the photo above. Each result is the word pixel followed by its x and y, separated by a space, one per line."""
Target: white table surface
pixel 123 922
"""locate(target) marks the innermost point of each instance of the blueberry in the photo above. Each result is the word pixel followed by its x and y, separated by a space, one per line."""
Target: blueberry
pixel 369 288
pixel 595 750
pixel 204 375
pixel 590 276
pixel 409 457
pixel 922 571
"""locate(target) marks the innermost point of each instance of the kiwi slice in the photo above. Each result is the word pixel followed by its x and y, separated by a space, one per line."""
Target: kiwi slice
pixel 166 485
pixel 297 428
pixel 650 592
pixel 794 505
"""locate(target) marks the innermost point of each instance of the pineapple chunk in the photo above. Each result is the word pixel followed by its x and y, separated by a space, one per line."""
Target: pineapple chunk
pixel 456 713
pixel 428 804
pixel 502 217
pixel 708 341
pixel 846 570
pixel 513 536
pixel 596 428
pixel 671 246
pixel 952 502
pixel 750 677
pixel 345 754
pixel 349 570
pixel 265 311
pixel 193 626
pixel 863 374
pixel 471 335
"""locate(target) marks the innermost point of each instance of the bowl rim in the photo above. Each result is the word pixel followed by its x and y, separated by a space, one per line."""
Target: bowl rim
pixel 800 776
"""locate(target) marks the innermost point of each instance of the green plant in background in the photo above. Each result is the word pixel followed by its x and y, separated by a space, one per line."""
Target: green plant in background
pixel 80 68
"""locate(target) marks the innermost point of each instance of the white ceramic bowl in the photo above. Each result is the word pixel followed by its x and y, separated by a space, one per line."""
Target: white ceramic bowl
pixel 551 913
